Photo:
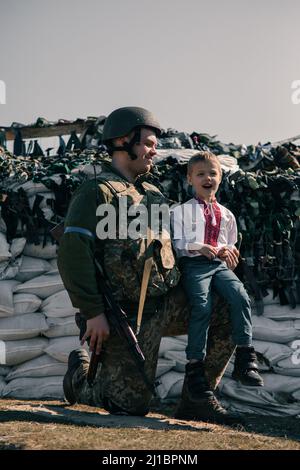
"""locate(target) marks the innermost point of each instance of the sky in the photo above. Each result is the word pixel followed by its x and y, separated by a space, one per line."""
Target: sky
pixel 224 67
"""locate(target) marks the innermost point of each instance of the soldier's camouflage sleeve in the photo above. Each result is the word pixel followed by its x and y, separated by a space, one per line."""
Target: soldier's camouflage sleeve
pixel 76 250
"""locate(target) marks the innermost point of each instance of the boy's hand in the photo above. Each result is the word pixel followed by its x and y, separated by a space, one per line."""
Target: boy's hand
pixel 209 251
pixel 230 255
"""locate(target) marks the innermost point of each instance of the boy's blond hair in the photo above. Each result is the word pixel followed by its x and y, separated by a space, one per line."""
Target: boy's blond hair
pixel 203 156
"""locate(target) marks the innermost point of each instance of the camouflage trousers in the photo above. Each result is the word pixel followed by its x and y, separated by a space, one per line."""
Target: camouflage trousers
pixel 118 385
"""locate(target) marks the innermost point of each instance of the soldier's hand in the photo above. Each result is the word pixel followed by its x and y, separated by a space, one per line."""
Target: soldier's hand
pixel 97 329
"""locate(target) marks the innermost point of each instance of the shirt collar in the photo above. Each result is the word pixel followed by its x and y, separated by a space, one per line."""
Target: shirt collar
pixel 214 201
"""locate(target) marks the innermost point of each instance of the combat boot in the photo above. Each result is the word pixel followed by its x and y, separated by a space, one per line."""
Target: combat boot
pixel 245 367
pixel 78 366
pixel 198 402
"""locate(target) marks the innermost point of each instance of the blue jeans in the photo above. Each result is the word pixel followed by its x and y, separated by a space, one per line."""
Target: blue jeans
pixel 200 276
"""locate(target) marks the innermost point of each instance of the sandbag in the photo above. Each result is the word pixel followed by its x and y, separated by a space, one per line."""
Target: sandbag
pixel 163 366
pixel 270 408
pixel 6 297
pixel 16 352
pixel 170 343
pixel 5 254
pixel 58 305
pixel 269 300
pixel 43 366
pixel 60 348
pixel 9 269
pixel 39 251
pixel 2 385
pixel 288 367
pixel 296 395
pixel 31 188
pixel 4 370
pixel 22 326
pixel 276 383
pixel 42 286
pixel 180 359
pixel 277 332
pixel 54 268
pixel 176 389
pixel 273 384
pixel 61 327
pixel 32 267
pixel 167 381
pixel 17 246
pixel 263 401
pixel 26 303
pixel 34 388
pixel 281 312
pixel 183 338
pixel 272 352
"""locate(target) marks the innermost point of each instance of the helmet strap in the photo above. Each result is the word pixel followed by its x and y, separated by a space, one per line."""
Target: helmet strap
pixel 128 146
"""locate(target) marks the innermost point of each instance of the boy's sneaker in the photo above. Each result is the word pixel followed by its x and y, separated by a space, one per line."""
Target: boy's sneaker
pixel 245 367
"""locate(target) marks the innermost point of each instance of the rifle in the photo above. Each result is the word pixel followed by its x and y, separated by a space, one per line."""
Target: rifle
pixel 117 318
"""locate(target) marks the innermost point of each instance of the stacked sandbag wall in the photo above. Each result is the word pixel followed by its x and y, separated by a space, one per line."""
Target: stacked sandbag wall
pixel 37 320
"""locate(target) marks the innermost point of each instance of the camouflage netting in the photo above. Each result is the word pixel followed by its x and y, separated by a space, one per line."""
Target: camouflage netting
pixel 260 185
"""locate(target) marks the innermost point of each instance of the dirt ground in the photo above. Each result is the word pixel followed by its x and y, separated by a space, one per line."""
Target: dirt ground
pixel 53 425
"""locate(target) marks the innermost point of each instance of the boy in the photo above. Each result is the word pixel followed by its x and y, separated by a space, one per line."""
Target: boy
pixel 204 234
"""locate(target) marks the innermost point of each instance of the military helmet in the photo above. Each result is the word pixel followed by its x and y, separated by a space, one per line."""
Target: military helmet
pixel 123 120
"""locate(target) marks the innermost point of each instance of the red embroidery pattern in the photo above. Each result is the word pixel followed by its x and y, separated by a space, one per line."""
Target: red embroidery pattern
pixel 211 231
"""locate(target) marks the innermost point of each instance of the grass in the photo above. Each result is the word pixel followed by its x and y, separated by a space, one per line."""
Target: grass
pixel 51 425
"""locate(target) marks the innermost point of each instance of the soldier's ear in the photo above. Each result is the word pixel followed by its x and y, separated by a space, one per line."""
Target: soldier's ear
pixel 126 138
pixel 119 141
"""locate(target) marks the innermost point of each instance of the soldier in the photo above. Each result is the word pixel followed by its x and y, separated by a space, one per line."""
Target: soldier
pixel 130 134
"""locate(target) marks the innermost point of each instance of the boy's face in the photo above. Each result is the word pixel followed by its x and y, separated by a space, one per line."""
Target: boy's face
pixel 205 177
